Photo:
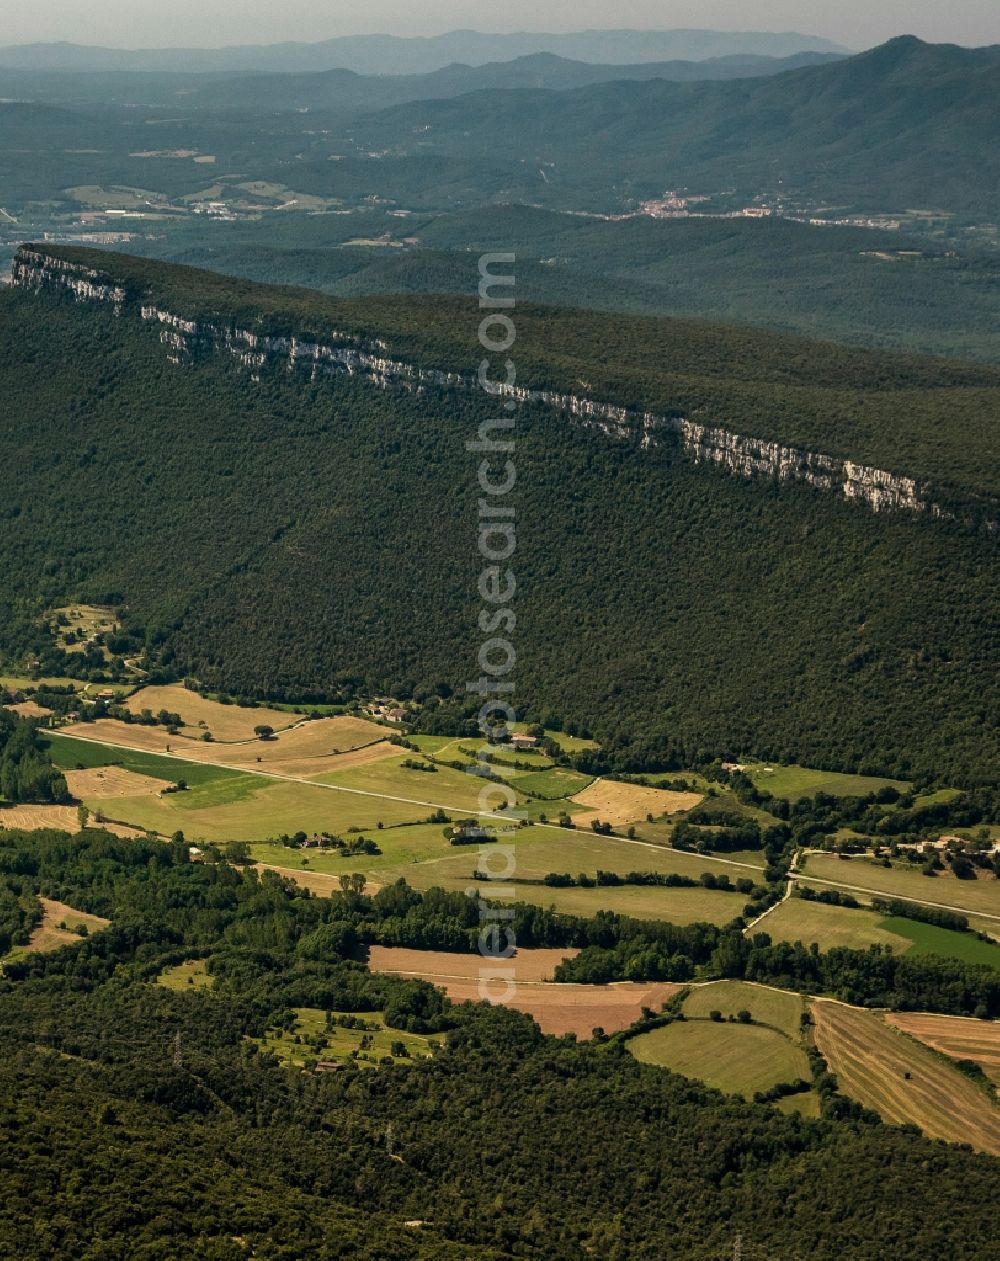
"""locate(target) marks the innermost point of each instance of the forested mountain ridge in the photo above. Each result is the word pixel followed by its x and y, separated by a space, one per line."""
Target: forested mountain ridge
pixel 890 290
pixel 721 388
pixel 186 491
pixel 746 615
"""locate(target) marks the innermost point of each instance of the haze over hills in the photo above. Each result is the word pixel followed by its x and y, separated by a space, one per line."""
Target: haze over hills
pixel 346 90
pixel 358 664
pixel 391 54
pixel 904 125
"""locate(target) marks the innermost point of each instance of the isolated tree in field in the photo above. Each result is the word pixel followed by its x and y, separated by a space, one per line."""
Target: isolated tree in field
pixel 263 732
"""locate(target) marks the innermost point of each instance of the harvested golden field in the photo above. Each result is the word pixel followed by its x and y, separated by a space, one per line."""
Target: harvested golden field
pixel 49 935
pixel 322 883
pixel 318 738
pixel 958 1037
pixel 906 1083
pixel 125 735
pixel 320 768
pixel 328 741
pixel 60 818
pixel 557 1009
pixel 29 709
pixel 529 965
pixel 112 781
pixel 64 818
pixel 225 722
pixel 616 803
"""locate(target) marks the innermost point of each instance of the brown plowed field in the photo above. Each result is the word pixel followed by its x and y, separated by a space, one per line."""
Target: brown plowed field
pixel 557 1009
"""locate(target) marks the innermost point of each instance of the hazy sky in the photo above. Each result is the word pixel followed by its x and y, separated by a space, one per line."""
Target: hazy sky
pixel 149 23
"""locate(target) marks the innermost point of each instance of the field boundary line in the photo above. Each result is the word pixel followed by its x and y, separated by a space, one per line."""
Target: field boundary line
pixel 899 897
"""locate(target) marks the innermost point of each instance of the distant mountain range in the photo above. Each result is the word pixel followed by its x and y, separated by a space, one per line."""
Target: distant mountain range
pixel 348 91
pixel 905 125
pixel 391 54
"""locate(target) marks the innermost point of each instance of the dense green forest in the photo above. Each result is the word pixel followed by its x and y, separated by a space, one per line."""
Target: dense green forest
pixel 25 770
pixel 817 395
pixel 135 1111
pixel 682 612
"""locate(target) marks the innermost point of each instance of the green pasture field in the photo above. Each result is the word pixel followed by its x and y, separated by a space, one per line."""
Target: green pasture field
pixel 793 782
pixel 340 1045
pixel 458 790
pixel 568 744
pixel 941 795
pixel 191 974
pixel 533 758
pixel 698 782
pixel 69 754
pixel 553 784
pixel 806 1105
pixel 675 906
pixel 413 852
pixel 780 1008
pixel 928 939
pixel 24 683
pixel 904 880
pixel 423 857
pixel 266 811
pixel 659 832
pixel 738 1059
pixel 797 920
pixel 447 747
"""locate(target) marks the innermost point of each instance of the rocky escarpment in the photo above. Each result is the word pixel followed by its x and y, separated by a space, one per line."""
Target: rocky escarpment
pixel 343 353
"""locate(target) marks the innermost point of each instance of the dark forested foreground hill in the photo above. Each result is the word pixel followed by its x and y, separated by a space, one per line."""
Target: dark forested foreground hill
pixel 142 1120
pixel 285 537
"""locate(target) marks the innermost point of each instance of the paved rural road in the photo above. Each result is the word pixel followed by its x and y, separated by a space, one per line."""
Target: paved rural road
pixel 365 792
